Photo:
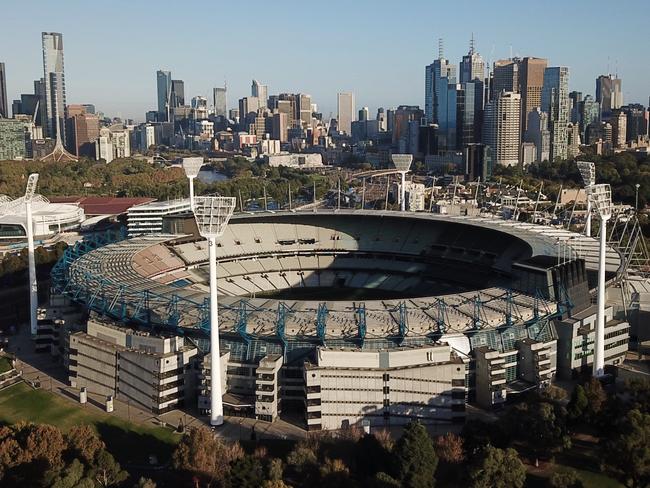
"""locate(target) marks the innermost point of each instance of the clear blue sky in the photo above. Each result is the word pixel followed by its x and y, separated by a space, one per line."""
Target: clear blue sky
pixel 377 49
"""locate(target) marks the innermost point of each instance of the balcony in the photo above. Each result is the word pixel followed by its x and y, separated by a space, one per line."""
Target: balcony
pixel 265 388
pixel 265 398
pixel 265 377
pixel 313 389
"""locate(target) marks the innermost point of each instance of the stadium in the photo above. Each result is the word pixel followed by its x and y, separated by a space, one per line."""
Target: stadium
pixel 338 317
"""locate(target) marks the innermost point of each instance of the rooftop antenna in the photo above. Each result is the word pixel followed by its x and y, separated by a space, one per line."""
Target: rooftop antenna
pixel 471 44
pixel 441 48
pixel 33 285
pixel 511 51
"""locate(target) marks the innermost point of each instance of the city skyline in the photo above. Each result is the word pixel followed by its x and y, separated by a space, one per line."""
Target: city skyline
pixel 353 63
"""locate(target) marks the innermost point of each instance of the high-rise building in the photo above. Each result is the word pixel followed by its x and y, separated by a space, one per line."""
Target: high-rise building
pixel 472 67
pixel 346 111
pixel 573 140
pixel 4 108
pixel 405 119
pixel 619 128
pixel 54 85
pixel 83 131
pixel 437 78
pixel 502 128
pixel 248 107
pixel 303 110
pixel 589 112
pixel 280 126
pixel 364 114
pixel 382 120
pixel 178 93
pixel 531 80
pixel 220 99
pixel 260 91
pixel 538 134
pixel 575 101
pixel 609 94
pixel 505 77
pixel 555 102
pixel 164 91
pixel 470 112
pixel 637 121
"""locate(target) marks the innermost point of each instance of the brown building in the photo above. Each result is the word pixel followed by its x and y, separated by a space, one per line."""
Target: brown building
pixel 531 80
pixel 82 131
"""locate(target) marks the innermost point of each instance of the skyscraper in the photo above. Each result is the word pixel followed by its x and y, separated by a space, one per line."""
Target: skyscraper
pixel 538 134
pixel 178 93
pixel 505 77
pixel 220 96
pixel 54 85
pixel 260 91
pixel 589 113
pixel 531 80
pixel 575 100
pixel 470 112
pixel 472 67
pixel 164 87
pixel 437 76
pixel 4 108
pixel 502 128
pixel 608 94
pixel 555 102
pixel 346 111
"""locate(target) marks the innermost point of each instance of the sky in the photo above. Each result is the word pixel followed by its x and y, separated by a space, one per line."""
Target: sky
pixel 376 49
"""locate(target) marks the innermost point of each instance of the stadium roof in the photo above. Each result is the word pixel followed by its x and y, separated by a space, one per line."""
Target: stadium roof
pixel 94 206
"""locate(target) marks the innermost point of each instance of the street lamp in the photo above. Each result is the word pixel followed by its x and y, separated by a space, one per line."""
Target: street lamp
pixel 636 197
pixel 192 166
pixel 601 200
pixel 33 285
pixel 588 173
pixel 212 215
pixel 402 164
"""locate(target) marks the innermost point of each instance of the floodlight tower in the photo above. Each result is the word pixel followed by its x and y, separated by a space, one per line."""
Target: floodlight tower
pixel 601 200
pixel 588 173
pixel 192 166
pixel 33 285
pixel 212 215
pixel 402 164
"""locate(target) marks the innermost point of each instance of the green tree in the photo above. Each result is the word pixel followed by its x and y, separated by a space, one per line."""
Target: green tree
pixel 145 483
pixel 578 404
pixel 108 472
pixel 415 458
pixel 596 398
pixel 497 468
pixel 246 472
pixel 627 453
pixel 567 478
pixel 73 476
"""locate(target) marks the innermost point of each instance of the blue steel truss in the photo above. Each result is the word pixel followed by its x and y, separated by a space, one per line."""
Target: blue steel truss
pixel 360 312
pixel 402 322
pixel 280 324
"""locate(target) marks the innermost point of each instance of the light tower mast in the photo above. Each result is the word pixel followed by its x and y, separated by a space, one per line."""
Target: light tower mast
pixel 192 166
pixel 402 164
pixel 212 215
pixel 588 173
pixel 33 285
pixel 601 200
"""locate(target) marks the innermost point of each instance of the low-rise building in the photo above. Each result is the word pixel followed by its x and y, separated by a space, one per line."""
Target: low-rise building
pixel 152 372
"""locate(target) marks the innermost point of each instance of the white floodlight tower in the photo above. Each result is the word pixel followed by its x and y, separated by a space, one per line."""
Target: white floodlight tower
pixel 588 173
pixel 192 166
pixel 402 164
pixel 33 285
pixel 601 200
pixel 212 215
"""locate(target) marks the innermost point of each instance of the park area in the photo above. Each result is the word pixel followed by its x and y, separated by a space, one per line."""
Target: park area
pixel 130 443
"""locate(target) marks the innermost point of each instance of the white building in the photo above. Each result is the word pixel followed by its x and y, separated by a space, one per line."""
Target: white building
pixel 295 160
pixel 269 146
pixel 502 128
pixel 346 386
pixel 113 143
pixel 148 217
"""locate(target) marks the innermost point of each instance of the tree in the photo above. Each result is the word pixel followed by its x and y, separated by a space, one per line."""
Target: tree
pixel 565 479
pixel 108 472
pixel 497 468
pixel 201 453
pixel 371 456
pixel 596 398
pixel 145 483
pixel 627 453
pixel 246 472
pixel 73 476
pixel 449 448
pixel 415 458
pixel 83 442
pixel 578 404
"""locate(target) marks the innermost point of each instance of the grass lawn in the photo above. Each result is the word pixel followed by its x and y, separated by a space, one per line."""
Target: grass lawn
pixel 5 364
pixel 127 441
